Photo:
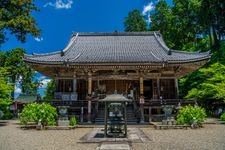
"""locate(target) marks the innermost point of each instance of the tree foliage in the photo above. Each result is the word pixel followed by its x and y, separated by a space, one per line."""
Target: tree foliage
pixel 135 22
pixel 16 19
pixel 189 19
pixel 50 89
pixel 207 84
pixel 194 25
pixel 222 117
pixel 18 70
pixel 212 85
pixel 5 89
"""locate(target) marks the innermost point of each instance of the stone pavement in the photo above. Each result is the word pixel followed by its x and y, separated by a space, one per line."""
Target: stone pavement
pixel 134 135
pixel 114 146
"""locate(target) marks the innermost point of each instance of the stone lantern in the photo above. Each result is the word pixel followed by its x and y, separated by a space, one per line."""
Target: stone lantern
pixel 115 115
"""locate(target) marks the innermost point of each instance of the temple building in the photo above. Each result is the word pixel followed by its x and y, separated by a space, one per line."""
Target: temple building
pixel 137 65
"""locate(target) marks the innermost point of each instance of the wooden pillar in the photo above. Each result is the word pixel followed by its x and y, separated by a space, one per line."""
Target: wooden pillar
pixel 89 84
pixel 176 88
pixel 125 118
pixel 89 96
pixel 106 118
pixel 64 85
pixel 142 97
pixel 74 85
pixel 75 88
pixel 141 86
pixel 150 114
pixel 158 88
pixel 57 85
pixel 159 94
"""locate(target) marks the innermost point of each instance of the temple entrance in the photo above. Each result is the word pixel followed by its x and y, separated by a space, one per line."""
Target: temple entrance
pixel 86 105
pixel 126 88
pixel 148 94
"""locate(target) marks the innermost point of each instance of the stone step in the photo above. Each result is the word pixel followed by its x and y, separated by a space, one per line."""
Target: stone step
pixel 114 146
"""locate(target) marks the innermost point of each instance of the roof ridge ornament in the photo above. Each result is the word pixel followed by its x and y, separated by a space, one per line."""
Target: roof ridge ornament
pixel 71 42
pixel 62 53
pixel 157 35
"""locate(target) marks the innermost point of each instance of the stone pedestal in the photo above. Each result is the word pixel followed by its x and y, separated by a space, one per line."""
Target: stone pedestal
pixel 63 116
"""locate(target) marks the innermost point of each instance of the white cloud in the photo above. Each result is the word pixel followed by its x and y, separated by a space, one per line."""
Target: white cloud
pixel 44 83
pixel 38 39
pixel 17 90
pixel 149 19
pixel 148 8
pixel 60 4
pixel 42 78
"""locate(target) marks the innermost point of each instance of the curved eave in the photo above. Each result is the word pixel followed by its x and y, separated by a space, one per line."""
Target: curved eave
pixel 206 58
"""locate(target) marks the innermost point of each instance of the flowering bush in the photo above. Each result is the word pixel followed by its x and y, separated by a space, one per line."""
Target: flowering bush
pixel 35 112
pixel 188 114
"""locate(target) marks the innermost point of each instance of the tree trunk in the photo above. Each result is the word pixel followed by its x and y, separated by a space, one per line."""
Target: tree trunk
pixel 13 92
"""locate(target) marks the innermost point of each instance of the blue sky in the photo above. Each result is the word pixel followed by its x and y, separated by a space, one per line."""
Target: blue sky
pixel 58 19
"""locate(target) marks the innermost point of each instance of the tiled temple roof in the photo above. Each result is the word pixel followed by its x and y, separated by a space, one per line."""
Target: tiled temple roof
pixel 116 47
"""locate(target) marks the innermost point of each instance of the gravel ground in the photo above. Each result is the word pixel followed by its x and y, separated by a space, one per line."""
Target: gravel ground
pixel 14 138
pixel 211 137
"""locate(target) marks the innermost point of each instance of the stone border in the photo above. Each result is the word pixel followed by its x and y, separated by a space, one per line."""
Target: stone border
pixel 38 127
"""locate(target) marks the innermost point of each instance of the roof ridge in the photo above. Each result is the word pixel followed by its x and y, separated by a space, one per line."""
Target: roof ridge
pixel 116 33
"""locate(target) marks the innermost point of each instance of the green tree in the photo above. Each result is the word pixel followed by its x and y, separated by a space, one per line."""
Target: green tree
pixel 19 71
pixel 135 22
pixel 211 88
pixel 181 20
pixel 16 18
pixel 5 89
pixel 161 21
pixel 212 16
pixel 50 89
pixel 187 19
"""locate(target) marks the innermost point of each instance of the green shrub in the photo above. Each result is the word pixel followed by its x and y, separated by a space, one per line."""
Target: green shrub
pixel 222 117
pixel 4 107
pixel 36 112
pixel 188 113
pixel 73 121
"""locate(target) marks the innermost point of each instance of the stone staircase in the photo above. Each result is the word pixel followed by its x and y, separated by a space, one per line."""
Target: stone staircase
pixel 131 115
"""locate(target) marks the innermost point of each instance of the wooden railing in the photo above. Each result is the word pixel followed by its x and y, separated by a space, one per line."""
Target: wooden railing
pixel 66 96
pixel 77 103
pixel 148 102
pixel 159 102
